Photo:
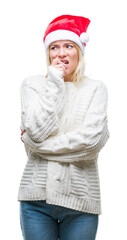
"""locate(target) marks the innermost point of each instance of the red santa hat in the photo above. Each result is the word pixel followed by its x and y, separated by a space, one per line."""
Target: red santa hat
pixel 67 27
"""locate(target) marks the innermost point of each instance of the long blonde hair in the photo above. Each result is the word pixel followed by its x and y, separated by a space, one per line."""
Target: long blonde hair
pixel 79 71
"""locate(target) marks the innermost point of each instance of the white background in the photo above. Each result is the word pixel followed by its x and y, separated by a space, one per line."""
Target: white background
pixel 22 25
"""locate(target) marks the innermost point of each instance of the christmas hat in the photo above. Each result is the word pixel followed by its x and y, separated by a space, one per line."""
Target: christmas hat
pixel 67 27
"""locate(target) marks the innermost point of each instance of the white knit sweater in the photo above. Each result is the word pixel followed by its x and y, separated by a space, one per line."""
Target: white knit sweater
pixel 66 127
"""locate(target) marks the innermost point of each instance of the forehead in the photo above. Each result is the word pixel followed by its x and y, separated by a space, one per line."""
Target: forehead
pixel 61 42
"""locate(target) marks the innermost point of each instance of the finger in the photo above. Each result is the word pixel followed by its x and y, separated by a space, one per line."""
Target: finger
pixel 59 62
pixel 56 61
pixel 60 67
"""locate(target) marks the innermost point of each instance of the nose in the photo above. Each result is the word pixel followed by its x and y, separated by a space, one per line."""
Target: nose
pixel 62 52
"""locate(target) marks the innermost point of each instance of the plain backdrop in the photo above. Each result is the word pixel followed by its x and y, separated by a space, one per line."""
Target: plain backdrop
pixel 22 25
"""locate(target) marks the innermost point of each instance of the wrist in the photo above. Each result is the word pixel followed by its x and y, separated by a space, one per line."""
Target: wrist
pixel 55 73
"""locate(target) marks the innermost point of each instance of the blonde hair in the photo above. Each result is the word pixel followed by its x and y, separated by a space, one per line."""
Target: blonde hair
pixel 79 71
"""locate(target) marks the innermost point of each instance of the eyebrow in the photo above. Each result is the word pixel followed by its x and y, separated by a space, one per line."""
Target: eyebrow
pixel 55 44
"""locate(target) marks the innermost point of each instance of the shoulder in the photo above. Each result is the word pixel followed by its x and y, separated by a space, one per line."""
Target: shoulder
pixel 33 81
pixel 93 84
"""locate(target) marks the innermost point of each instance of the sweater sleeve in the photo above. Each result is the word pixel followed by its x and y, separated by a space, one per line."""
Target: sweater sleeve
pixel 42 101
pixel 82 144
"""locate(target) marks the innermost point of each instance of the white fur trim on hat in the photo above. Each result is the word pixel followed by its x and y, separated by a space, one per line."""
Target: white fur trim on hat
pixel 63 35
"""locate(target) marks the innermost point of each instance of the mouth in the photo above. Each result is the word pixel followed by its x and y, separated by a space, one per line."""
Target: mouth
pixel 66 62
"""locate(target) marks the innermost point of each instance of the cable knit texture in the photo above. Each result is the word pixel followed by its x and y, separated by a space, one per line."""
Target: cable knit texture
pixel 66 127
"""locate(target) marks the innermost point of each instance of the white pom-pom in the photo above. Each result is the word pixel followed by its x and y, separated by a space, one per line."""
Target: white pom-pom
pixel 84 38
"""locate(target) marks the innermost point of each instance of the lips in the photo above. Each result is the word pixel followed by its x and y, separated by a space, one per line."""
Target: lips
pixel 66 62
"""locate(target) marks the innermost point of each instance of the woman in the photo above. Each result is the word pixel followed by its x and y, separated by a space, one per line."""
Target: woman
pixel 64 127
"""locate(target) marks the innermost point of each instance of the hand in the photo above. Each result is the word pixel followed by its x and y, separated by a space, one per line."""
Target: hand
pixel 59 65
pixel 23 131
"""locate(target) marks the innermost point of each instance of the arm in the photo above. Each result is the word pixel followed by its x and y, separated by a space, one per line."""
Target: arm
pixel 42 101
pixel 83 143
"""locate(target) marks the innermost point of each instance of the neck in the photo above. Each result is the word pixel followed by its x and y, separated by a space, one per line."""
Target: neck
pixel 68 78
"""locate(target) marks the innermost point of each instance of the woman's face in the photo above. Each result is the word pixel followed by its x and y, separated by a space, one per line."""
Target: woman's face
pixel 66 53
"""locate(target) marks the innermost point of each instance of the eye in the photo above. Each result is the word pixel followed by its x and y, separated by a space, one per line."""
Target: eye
pixel 69 46
pixel 53 47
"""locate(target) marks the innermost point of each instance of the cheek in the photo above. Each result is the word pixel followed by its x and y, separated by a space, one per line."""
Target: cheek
pixel 75 60
pixel 74 56
pixel 51 56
